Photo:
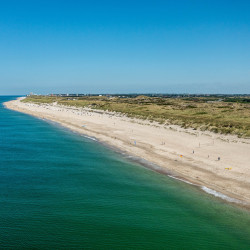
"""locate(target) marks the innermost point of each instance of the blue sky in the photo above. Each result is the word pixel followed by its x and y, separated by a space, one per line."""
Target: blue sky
pixel 124 46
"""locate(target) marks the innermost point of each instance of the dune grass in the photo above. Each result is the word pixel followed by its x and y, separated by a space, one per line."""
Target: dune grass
pixel 225 116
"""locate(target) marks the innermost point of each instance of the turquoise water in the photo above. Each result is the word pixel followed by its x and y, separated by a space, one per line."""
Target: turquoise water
pixel 61 190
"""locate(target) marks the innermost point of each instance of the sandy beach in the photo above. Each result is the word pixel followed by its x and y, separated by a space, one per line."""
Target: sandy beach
pixel 214 162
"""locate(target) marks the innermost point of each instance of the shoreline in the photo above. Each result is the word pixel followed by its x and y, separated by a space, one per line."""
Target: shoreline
pixel 164 171
pixel 147 152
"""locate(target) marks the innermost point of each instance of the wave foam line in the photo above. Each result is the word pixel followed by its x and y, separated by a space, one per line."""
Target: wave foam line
pixel 179 179
pixel 220 195
pixel 210 191
pixel 91 138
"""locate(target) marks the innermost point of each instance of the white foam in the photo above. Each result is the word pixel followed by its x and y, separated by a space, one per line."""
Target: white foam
pixel 210 191
pixel 220 195
pixel 182 180
pixel 91 138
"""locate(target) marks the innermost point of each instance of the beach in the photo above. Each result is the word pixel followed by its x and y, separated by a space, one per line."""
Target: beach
pixel 212 161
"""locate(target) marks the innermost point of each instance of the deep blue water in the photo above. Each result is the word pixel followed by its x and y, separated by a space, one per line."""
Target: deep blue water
pixel 61 190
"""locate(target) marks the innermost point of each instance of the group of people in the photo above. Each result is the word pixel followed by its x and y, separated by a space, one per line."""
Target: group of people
pixel 208 156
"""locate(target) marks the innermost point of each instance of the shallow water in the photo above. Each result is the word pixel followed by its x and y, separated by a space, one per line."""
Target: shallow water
pixel 62 190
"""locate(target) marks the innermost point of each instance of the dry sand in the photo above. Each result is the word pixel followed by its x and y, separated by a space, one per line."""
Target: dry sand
pixel 185 153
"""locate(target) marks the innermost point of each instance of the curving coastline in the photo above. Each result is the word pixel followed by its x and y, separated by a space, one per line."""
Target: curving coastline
pixel 189 155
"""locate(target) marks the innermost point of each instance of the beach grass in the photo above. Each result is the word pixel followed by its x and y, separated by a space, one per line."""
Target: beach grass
pixel 229 115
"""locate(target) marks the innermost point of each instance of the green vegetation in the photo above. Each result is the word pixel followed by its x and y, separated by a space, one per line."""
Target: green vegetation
pixel 229 115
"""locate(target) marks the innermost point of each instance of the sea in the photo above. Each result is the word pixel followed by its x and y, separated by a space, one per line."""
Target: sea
pixel 63 190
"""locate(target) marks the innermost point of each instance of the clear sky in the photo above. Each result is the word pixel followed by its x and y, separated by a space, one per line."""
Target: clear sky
pixel 118 46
